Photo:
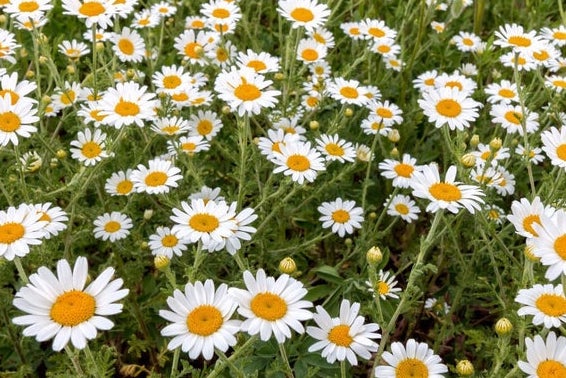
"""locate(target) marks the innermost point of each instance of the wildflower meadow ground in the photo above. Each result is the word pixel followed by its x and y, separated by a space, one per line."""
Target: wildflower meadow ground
pixel 283 188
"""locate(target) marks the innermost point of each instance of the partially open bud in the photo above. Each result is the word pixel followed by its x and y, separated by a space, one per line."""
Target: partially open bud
pixel 279 76
pixel 468 160
pixel 61 154
pixel 495 143
pixel 394 152
pixel 464 368
pixel 161 262
pixel 503 327
pixel 475 140
pixel 147 214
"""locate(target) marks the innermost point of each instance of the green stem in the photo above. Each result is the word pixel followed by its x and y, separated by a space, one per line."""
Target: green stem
pixel 343 369
pixel 368 171
pixel 94 58
pixel 222 357
pixel 243 132
pixel 93 362
pixel 175 363
pixel 286 360
pixel 74 361
pixel 12 336
pixel 235 356
pixel 21 271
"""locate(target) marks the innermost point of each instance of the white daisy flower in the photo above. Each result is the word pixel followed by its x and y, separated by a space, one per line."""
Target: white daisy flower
pixel 505 186
pixel 272 307
pixel 533 154
pixel 426 81
pixel 159 177
pixel 188 145
pixel 205 123
pixel 322 36
pixel 145 19
pixel 352 30
pixel 163 9
pixel 511 118
pixel 99 12
pixel 207 194
pixel 170 126
pixel 18 89
pixel 332 147
pixel 487 155
pixel 550 245
pixel 309 14
pixel 270 144
pixel 193 47
pixel 119 184
pixel 128 45
pixel 200 320
pixel 9 46
pixel 556 35
pixel 545 358
pixel 346 91
pixel 523 61
pixel 449 106
pixel 524 214
pixel 448 194
pixel 495 214
pixel 261 62
pixel 554 145
pixel 466 42
pixel 54 217
pixel 126 104
pixel 411 360
pixel 165 242
pixel 310 51
pixel 402 206
pixel 387 113
pixel 299 161
pixel 243 231
pixel 386 47
pixel 73 49
pixel 546 303
pixel 385 286
pixel 89 147
pixel 456 80
pixel 20 227
pixel 60 307
pixel 171 79
pixel 514 36
pixel 373 124
pixel 16 120
pixel 400 171
pixel 555 82
pixel 344 337
pixel 112 226
pixel 374 29
pixel 341 215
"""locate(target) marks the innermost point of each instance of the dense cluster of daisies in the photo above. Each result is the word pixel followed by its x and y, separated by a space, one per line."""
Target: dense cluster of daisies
pixel 173 102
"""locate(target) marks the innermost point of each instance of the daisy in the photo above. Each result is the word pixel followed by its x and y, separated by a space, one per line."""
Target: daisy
pixel 89 147
pixel 195 22
pixel 260 62
pixel 505 186
pixel 394 63
pixel 411 360
pixel 533 154
pixel 363 152
pixel 448 194
pixel 221 12
pixel 73 49
pixel 554 145
pixel 112 226
pixel 485 176
pixel 523 62
pixel 495 214
pixel 322 36
pixel 192 47
pixel 16 120
pixel 145 19
pixel 126 104
pixel 545 55
pixel 299 161
pixel 525 214
pixel 165 242
pixel 171 79
pixel 290 126
pixel 17 89
pixel 310 51
pixel 346 91
pixel 200 319
pixel 341 215
pixel 555 82
pixel 19 228
pixel 333 148
pixel 99 35
pixel 205 123
pixel 60 307
pixel 550 244
pixel 546 303
pixel 67 96
pixel 54 218
pixel 468 69
pixel 271 144
pixel 385 286
pixel 8 46
pixel 456 80
pixel 386 113
pixel 163 9
pixel 511 118
pixel 159 177
pixel 504 92
pixel 438 27
pixel 223 54
pixel 243 231
pixel 545 358
pixel 352 30
pixel 272 307
pixel 344 337
pixel 449 106
pixel 119 184
pixel 556 36
pixel 386 47
pixel 31 161
pixel 170 126
pixel 486 154
pixel 466 42
pixel 23 10
pixel 400 171
pixel 514 36
pixel 304 13
pixel 245 91
pixel 99 12
pixel 373 124
pixel 205 222
pixel 426 81
pixel 207 194
pixel 376 30
pixel 128 45
pixel 402 206
pixel 188 145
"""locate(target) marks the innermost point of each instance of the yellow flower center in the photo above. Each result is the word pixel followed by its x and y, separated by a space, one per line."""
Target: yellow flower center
pixel 382 288
pixel 171 129
pixel 169 241
pixel 156 178
pixel 429 81
pixel 454 84
pixel 268 306
pixel 514 117
pixel 257 65
pixel 561 151
pixel 334 149
pixel 445 192
pixel 180 97
pixel 493 214
pixel 384 113
pixel 354 31
pixel 559 35
pixel 10 232
pixel 126 46
pixel 551 369
pixel 384 49
pixel 247 92
pixel 411 368
pixel 9 122
pixel 312 101
pixel 192 50
pixel 507 93
pixel 73 308
pixel 126 108
pixel 340 216
pixel 298 163
pixel 309 55
pixel 377 125
pixel 519 40
pixel 91 150
pixel 124 187
pixel 402 208
pixel 44 217
pixel 91 9
pixel 485 155
pixel 340 335
pixel 302 14
pixel 376 32
pixel 275 147
pixel 541 55
pixel 528 223
pixel 467 42
pixel 551 304
pixel 188 147
pixel 143 22
pixel 204 127
pixel 448 108
pixel 404 170
pixel 556 83
pixel 68 97
pixel 204 222
pixel 319 38
pixel 112 226
pixel 197 24
pixel 171 81
pixel 221 13
pixel 560 246
pixel 28 6
pixel 13 95
pixel 349 92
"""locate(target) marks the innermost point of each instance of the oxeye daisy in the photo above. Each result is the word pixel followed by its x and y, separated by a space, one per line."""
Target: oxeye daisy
pixel 126 104
pixel 195 22
pixel 344 337
pixel 223 54
pixel 54 217
pixel 128 45
pixel 210 221
pixel 99 12
pixel 272 307
pixel 525 214
pixel 466 42
pixel 221 11
pixel 373 124
pixel 290 126
pixel 66 96
pixel 376 30
pixel 192 47
pixel 20 227
pixel 546 303
pixel 445 194
pixel 556 36
pixel 504 92
pixel 400 171
pixel 545 55
pixel 299 161
pixel 386 112
pixel 271 144
pixel 322 36
pixel 514 36
pixel 438 27
pixel 386 47
pixel 23 10
pixel 485 176
pixel 207 194
pixel 89 147
pixel 159 177
pixel 523 61
pixel 402 206
pixel 485 154
pixel 163 9
pixel 352 30
pixel 170 126
pixel 511 118
pixel 449 106
pixel 171 79
pixel 261 62
pixel 60 307
pixel 245 91
pixel 426 81
pixel 120 184
pixel 242 232
pixel 384 286
pixel 555 82
pixel 309 14
pixel 188 145
pixel 394 63
pixel 347 91
pixel 73 49
pixel 495 214
pixel 554 145
pixel 309 51
pixel 342 216
pixel 17 89
pixel 413 359
pixel 145 19
pixel 8 46
pixel 457 81
pixel 550 244
pixel 165 242
pixel 505 186
pixel 545 358
pixel 200 319
pixel 205 123
pixel 16 120
pixel 112 226
pixel 533 154
pixel 333 148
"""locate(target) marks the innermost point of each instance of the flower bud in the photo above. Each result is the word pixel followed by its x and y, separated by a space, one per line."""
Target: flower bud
pixel 374 255
pixel 61 154
pixel 226 109
pixel 161 262
pixel 279 76
pixel 71 69
pixel 394 136
pixel 43 59
pixel 468 160
pixel 99 46
pixel 495 143
pixel 287 266
pixel 394 152
pixel 464 368
pixel 348 242
pixel 348 112
pixel 147 214
pixel 373 215
pixel 314 125
pixel 503 327
pixel 23 52
pixel 3 18
pixel 475 140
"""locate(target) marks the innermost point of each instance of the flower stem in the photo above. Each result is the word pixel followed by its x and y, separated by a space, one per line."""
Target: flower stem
pixel 74 361
pixel 243 130
pixel 343 369
pixel 286 360
pixel 220 366
pixel 91 359
pixel 175 364
pixel 21 271
pixel 368 171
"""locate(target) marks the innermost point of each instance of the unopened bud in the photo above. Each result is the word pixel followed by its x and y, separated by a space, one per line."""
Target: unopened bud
pixel 475 140
pixel 374 256
pixel 314 125
pixel 348 242
pixel 373 215
pixel 46 99
pixel 287 266
pixel 23 52
pixel 348 112
pixel 279 76
pixel 226 109
pixel 464 368
pixel 394 152
pixel 394 136
pixel 161 262
pixel 503 327
pixel 61 154
pixel 54 163
pixel 468 160
pixel 495 143
pixel 147 214
pixel 99 46
pixel 71 69
pixel 43 59
pixel 3 18
pixel 131 73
